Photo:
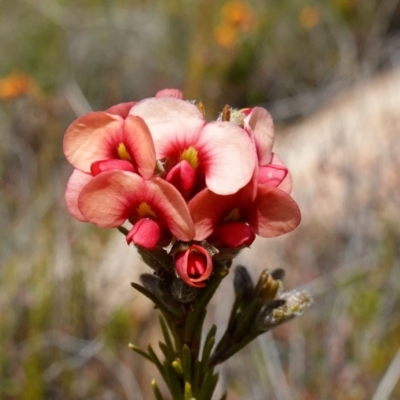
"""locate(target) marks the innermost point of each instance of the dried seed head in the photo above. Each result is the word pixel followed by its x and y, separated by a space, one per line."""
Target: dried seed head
pixel 295 302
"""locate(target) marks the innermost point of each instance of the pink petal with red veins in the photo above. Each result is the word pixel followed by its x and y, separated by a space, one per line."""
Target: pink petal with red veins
pixel 271 174
pixel 194 265
pixel 121 109
pixel 226 156
pixel 111 165
pixel 145 233
pixel 182 176
pixel 209 209
pixel 233 234
pixel 273 212
pixel 170 93
pixel 287 184
pixel 76 183
pixel 174 124
pixel 140 146
pixel 91 138
pixel 113 197
pixel 259 123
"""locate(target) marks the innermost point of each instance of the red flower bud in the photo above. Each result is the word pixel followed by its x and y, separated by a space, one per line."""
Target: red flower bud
pixel 194 265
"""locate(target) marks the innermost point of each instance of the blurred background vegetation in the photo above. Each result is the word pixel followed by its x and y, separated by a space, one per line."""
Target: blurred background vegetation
pixel 63 330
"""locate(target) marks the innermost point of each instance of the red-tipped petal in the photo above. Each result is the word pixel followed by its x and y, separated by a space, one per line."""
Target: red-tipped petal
pixel 76 183
pixel 182 176
pixel 233 234
pixel 140 146
pixel 111 165
pixel 113 197
pixel 87 139
pixel 273 212
pixel 174 124
pixel 170 93
pixel 259 123
pixel 227 157
pixel 208 209
pixel 121 109
pixel 145 233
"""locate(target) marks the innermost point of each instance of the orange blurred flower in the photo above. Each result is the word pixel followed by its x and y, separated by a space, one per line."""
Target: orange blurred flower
pixel 225 35
pixel 16 84
pixel 238 14
pixel 236 17
pixel 309 17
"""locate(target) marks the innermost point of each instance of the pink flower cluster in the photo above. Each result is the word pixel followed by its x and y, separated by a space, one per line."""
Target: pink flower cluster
pixel 158 164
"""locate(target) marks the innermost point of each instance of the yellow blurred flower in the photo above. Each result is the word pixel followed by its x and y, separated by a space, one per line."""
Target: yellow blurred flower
pixel 225 35
pixel 16 84
pixel 309 17
pixel 238 14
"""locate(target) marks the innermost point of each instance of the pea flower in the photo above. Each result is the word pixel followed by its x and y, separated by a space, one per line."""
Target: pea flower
pixel 108 140
pixel 154 207
pixel 195 154
pixel 233 221
pixel 270 169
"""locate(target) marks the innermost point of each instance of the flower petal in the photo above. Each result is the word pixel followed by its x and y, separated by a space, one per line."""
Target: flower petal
pixel 110 165
pixel 174 124
pixel 259 123
pixel 76 183
pixel 233 234
pixel 86 139
pixel 182 176
pixel 271 174
pixel 140 146
pixel 170 93
pixel 145 233
pixel 226 156
pixel 287 184
pixel 273 212
pixel 121 109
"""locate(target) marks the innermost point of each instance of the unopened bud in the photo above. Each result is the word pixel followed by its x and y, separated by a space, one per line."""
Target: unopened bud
pixel 151 282
pixel 182 292
pixel 242 282
pixel 278 274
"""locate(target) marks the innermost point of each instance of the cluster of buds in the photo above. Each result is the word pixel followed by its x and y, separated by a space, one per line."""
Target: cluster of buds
pixel 195 190
pixel 257 309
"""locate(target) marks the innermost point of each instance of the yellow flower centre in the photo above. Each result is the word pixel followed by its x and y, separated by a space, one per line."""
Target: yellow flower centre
pixel 190 155
pixel 123 153
pixel 233 216
pixel 144 210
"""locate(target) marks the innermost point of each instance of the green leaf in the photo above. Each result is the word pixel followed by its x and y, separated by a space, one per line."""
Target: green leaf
pixel 247 322
pixel 173 381
pixel 208 345
pixel 167 310
pixel 156 390
pixel 140 351
pixel 187 363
